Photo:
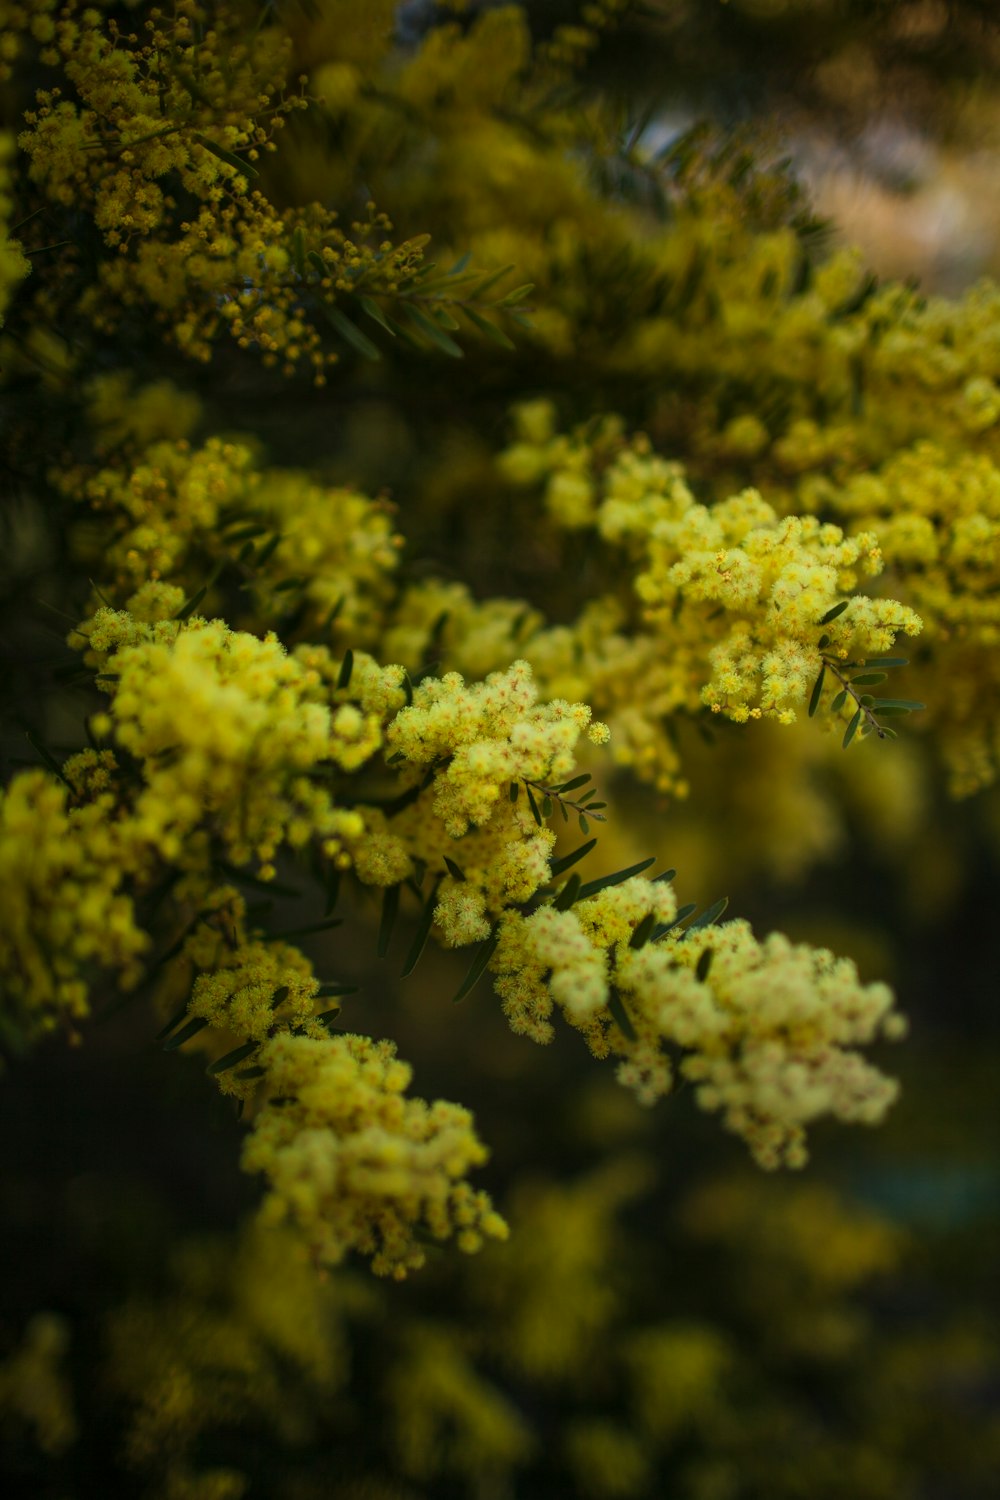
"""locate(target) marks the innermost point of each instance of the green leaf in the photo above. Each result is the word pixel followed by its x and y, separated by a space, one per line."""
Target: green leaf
pixel 423 932
pixel 223 1064
pixel 252 1073
pixel 852 728
pixel 175 1020
pixel 479 964
pixel 683 913
pixel 487 329
pixel 517 295
pixel 604 882
pixel 566 861
pixel 643 931
pixel 491 280
pixel 346 668
pixel 46 755
pixel 891 710
pixel 533 805
pixel 868 678
pixel 455 871
pixel 351 334
pixel 515 788
pixel 272 887
pixel 268 550
pixel 185 1034
pixel 839 701
pixel 226 156
pixel 665 878
pixel 371 308
pixel 710 915
pixel 621 1016
pixel 571 786
pixel 279 997
pixel 317 262
pixel 834 612
pixel 817 692
pixel 390 909
pixel 546 806
pixel 332 990
pixel 327 925
pixel 704 964
pixel 568 894
pixel 433 332
pixel 904 705
pixel 584 825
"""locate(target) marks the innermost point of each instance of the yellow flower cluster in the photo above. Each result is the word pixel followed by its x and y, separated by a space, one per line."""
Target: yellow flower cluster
pixel 729 599
pixel 937 515
pixel 63 867
pixel 768 1031
pixel 330 551
pixel 493 733
pixel 155 134
pixel 357 1166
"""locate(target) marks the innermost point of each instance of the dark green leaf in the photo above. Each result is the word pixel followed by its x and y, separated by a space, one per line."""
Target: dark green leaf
pixel 665 878
pixel 546 806
pixel 351 334
pixel 423 932
pixel 704 964
pixel 185 1034
pixel 710 915
pixel 604 882
pixel 533 805
pixel 390 908
pixel 834 612
pixel 248 1073
pixel 571 786
pixel 584 825
pixel 226 156
pixel 515 788
pixel 175 1020
pixel 433 332
pixel 223 1064
pixel 682 914
pixel 568 894
pixel 566 861
pixel 867 678
pixel 906 705
pixel 329 991
pixel 817 692
pixel 643 931
pixel 852 728
pixel 327 925
pixel 839 701
pixel 454 870
pixel 346 668
pixel 487 329
pixel 621 1016
pixel 479 964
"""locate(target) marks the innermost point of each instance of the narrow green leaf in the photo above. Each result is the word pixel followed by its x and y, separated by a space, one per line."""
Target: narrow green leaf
pixel 823 642
pixel 584 825
pixel 533 805
pixel 223 1064
pixel 327 1017
pixel 455 871
pixel 424 926
pixel 891 710
pixel 710 915
pixel 568 894
pixel 46 755
pixel 621 1016
pixel 867 678
pixel 704 964
pixel 390 910
pixel 682 915
pixel 190 605
pixel 332 890
pixel 492 279
pixel 279 997
pixel 839 701
pixel 346 668
pixel 907 705
pixel 604 882
pixel 643 931
pixel 487 329
pixel 433 332
pixel 852 728
pixel 351 334
pixel 817 692
pixel 185 1034
pixel 244 877
pixel 247 1073
pixel 369 306
pixel 546 806
pixel 329 991
pixel 571 786
pixel 175 1021
pixel 226 156
pixel 510 299
pixel 665 878
pixel 268 550
pixel 834 612
pixel 479 965
pixel 566 861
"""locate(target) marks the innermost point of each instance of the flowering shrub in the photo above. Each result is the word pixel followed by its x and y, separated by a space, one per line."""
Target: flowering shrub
pixel 299 705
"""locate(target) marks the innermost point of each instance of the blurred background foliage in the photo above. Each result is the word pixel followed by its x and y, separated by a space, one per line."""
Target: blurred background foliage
pixel 665 1320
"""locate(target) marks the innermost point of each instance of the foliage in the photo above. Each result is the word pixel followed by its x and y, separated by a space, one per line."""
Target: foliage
pixel 301 715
